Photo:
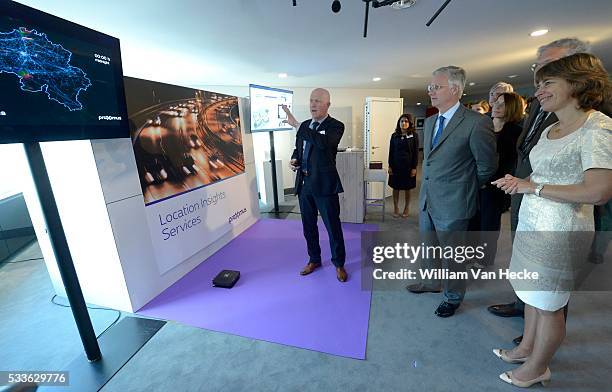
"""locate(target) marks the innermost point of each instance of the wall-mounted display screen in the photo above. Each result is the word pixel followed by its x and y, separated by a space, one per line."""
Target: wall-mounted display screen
pixel 58 80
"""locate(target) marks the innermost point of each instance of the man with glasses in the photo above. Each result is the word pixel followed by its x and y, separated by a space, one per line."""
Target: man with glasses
pixel 533 127
pixel 459 156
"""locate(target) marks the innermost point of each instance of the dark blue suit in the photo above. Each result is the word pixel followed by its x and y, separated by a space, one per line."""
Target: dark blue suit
pixel 318 188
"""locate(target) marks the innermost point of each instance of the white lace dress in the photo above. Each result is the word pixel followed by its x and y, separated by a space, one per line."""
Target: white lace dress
pixel 551 236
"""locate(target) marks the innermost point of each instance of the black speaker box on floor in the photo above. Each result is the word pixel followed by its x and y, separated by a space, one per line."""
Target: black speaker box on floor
pixel 226 279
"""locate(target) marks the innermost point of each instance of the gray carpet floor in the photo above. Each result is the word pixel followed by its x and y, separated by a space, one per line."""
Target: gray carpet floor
pixel 409 348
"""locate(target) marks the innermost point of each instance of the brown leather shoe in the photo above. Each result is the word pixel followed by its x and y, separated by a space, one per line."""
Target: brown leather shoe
pixel 310 267
pixel 341 274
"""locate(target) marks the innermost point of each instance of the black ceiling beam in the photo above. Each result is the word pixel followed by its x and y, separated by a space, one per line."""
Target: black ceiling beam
pixel 437 13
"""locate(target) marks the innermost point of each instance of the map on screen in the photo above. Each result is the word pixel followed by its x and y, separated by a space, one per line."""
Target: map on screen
pixel 42 67
pixel 59 80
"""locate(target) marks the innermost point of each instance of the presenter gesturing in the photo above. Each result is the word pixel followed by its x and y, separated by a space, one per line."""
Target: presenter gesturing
pixel 317 183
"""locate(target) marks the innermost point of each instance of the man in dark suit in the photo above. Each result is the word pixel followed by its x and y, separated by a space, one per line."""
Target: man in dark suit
pixel 537 121
pixel 317 183
pixel 459 157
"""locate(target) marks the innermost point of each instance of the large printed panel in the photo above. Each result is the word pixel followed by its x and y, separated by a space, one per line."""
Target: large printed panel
pixel 188 149
pixel 183 138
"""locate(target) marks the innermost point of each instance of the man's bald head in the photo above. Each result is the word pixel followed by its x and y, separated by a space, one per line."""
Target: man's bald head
pixel 319 103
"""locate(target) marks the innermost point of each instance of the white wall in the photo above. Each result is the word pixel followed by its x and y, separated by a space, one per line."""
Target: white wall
pixel 13 169
pixel 347 105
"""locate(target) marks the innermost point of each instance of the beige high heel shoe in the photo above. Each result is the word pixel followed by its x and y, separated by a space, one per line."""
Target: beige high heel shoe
pixel 544 379
pixel 502 354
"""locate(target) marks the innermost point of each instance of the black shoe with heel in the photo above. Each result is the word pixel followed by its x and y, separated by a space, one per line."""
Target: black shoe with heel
pixel 506 310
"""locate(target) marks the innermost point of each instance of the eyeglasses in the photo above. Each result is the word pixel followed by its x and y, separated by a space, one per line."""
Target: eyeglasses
pixel 435 87
pixel 535 66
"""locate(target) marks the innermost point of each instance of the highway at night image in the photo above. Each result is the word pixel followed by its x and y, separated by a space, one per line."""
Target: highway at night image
pixel 184 144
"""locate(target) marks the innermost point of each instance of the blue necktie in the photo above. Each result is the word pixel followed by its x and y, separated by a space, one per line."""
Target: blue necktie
pixel 436 138
pixel 307 148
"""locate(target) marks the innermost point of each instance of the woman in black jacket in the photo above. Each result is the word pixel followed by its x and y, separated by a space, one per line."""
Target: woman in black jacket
pixel 507 116
pixel 403 160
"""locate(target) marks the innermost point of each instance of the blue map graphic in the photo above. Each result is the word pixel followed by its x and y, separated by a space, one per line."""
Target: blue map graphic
pixel 42 66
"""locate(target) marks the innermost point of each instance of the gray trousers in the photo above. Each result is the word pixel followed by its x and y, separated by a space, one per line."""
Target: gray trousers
pixel 445 233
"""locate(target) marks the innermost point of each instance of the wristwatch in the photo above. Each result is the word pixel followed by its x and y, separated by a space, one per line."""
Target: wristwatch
pixel 538 189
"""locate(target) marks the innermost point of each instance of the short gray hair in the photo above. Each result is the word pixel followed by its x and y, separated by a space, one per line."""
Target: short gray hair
pixel 507 87
pixel 572 45
pixel 456 76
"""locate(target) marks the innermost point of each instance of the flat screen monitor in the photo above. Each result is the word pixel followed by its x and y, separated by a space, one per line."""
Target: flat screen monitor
pixel 266 108
pixel 58 80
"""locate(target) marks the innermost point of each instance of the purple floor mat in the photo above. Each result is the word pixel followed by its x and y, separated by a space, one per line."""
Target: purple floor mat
pixel 271 301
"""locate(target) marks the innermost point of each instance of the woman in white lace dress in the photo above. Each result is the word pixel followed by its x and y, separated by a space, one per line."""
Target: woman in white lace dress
pixel 572 171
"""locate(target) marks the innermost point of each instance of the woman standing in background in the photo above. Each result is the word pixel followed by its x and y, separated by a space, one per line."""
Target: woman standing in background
pixel 507 116
pixel 403 161
pixel 508 112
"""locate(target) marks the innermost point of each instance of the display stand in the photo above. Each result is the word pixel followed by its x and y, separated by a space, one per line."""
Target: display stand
pixel 277 209
pixel 61 250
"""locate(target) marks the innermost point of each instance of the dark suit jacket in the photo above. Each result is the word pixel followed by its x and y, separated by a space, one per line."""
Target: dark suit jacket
pixel 403 156
pixel 523 166
pixel 506 148
pixel 322 163
pixel 464 159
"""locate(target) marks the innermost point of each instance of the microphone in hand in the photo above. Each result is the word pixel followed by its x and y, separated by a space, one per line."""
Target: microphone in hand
pixel 294 164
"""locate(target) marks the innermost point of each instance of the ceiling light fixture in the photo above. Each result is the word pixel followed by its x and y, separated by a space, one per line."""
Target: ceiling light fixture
pixel 512 76
pixel 471 83
pixel 376 79
pixel 418 104
pixel 538 33
pixel 403 4
pixel 375 4
pixel 396 4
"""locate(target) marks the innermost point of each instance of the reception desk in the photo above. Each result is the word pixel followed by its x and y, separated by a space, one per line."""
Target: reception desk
pixel 350 167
